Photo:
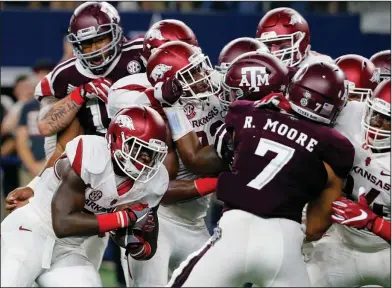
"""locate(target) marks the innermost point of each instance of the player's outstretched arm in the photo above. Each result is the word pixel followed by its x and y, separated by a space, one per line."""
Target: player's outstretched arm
pixel 199 159
pixel 318 218
pixel 59 116
pixel 68 203
pixel 184 190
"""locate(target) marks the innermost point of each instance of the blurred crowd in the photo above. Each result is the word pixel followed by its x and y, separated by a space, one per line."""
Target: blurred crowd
pixel 331 7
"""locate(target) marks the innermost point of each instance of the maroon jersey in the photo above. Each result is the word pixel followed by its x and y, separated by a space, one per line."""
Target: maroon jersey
pixel 278 161
pixel 70 74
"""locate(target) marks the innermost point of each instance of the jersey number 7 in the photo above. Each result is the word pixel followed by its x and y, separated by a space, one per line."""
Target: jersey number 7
pixel 284 154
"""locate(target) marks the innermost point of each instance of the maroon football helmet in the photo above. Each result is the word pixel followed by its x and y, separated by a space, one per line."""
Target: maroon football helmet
pixel 165 31
pixel 235 48
pixel 382 61
pixel 318 91
pixel 94 20
pixel 286 33
pixel 136 138
pixel 377 119
pixel 253 76
pixel 192 68
pixel 362 75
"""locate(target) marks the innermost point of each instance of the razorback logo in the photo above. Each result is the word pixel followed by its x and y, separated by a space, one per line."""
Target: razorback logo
pixel 125 121
pixel 155 34
pixel 258 77
pixel 159 71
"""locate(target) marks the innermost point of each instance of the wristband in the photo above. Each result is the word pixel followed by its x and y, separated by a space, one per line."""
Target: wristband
pixel 76 97
pixel 382 228
pixel 178 122
pixel 112 221
pixel 33 182
pixel 206 185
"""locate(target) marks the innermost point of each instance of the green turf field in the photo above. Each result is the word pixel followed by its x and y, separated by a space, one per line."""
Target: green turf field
pixel 108 274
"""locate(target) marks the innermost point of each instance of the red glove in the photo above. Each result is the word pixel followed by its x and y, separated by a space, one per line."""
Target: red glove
pixel 275 100
pixel 359 215
pixel 97 88
pixel 168 91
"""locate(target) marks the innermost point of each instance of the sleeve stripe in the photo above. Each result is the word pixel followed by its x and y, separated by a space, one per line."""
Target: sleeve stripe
pixel 77 163
pixel 220 141
pixel 132 87
pixel 45 87
pixel 124 187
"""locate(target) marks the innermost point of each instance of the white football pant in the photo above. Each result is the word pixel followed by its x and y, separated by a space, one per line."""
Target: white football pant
pixel 333 263
pixel 29 255
pixel 246 248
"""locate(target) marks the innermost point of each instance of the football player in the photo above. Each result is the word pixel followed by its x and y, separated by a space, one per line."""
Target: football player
pixel 346 256
pixel 98 185
pixel 286 33
pixel 183 208
pixel 127 91
pixel 259 236
pixel 362 75
pixel 74 95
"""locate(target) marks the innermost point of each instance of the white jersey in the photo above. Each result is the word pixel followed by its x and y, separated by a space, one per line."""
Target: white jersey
pixel 205 117
pixel 370 171
pixel 313 56
pixel 91 160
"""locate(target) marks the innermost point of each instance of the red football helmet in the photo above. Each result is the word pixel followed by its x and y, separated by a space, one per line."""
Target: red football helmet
pixel 286 33
pixel 192 68
pixel 136 138
pixel 253 76
pixel 165 31
pixel 318 91
pixel 382 61
pixel 362 75
pixel 236 48
pixel 377 119
pixel 94 20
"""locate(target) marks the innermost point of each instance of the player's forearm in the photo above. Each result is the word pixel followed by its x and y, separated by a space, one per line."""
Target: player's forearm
pixel 200 160
pixel 59 116
pixel 74 224
pixel 183 190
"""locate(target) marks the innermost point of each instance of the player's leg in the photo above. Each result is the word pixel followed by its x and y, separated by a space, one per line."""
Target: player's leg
pixel 95 248
pixel 274 254
pixel 330 263
pixel 375 267
pixel 22 248
pixel 188 239
pixel 153 272
pixel 220 262
pixel 70 268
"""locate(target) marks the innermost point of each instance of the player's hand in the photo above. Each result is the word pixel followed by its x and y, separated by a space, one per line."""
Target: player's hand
pixel 18 198
pixel 168 91
pixel 97 88
pixel 137 214
pixel 349 213
pixel 274 100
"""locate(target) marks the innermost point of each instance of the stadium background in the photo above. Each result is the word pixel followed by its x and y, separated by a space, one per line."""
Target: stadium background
pixel 34 31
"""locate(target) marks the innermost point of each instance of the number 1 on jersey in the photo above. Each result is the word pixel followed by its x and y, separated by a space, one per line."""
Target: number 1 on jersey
pixel 284 154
